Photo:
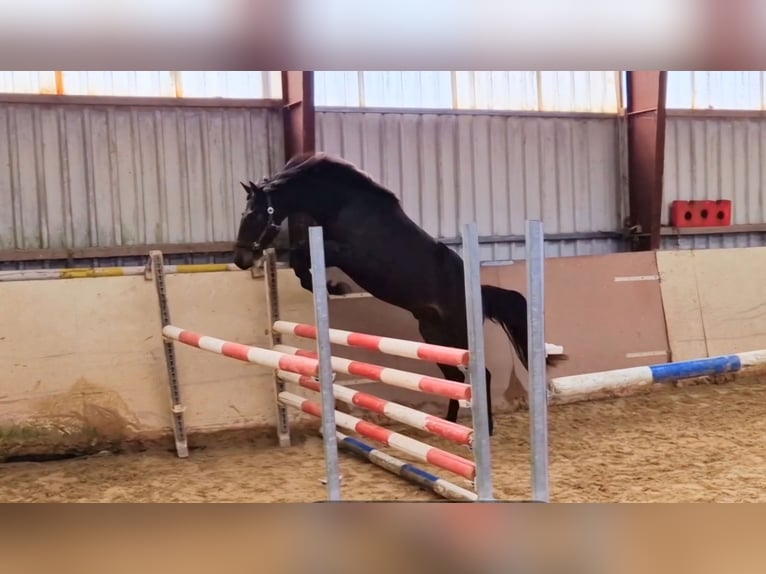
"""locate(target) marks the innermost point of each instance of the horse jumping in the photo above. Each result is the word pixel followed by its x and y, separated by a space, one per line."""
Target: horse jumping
pixel 369 237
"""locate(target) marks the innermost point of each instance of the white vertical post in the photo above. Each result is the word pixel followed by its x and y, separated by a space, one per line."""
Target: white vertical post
pixel 476 367
pixel 322 321
pixel 537 391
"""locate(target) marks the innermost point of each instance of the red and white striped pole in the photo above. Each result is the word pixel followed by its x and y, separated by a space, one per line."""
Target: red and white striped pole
pixel 395 377
pixel 416 449
pixel 263 357
pixel 387 345
pixel 451 431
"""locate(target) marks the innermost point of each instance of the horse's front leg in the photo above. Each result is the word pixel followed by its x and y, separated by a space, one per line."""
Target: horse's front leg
pixel 335 256
pixel 300 263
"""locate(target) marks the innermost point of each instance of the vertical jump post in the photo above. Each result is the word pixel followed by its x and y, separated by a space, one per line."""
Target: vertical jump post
pixel 476 367
pixel 326 375
pixel 155 266
pixel 537 386
pixel 272 307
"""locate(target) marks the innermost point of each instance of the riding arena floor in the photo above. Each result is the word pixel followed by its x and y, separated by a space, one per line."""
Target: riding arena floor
pixel 702 443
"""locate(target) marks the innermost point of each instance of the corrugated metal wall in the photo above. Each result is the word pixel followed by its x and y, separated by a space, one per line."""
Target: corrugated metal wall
pixel 496 169
pixel 717 158
pixel 103 176
pixel 716 241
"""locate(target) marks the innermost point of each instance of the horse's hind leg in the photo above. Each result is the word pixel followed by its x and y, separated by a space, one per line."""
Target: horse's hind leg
pixel 454 374
pixel 490 420
pixel 433 333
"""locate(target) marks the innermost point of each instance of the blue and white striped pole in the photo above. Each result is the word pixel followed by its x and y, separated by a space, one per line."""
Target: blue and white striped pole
pixel 636 377
pixel 405 470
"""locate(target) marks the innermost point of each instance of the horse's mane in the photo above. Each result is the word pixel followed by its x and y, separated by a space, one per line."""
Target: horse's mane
pixel 321 164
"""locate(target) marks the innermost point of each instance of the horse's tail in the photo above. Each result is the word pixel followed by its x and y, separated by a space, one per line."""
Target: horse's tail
pixel 508 309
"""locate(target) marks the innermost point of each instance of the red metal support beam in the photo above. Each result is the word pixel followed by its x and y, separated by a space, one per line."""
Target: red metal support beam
pixel 298 98
pixel 300 133
pixel 646 155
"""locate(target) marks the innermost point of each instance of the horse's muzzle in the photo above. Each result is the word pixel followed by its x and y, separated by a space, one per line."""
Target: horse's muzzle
pixel 244 258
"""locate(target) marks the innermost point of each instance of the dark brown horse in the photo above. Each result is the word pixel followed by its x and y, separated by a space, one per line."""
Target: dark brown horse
pixel 368 236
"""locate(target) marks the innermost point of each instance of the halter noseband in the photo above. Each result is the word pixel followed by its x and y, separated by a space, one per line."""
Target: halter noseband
pixel 269 232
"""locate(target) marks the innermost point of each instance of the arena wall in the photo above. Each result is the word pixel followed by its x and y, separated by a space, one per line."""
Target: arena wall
pixel 714 300
pixel 84 365
pixel 586 312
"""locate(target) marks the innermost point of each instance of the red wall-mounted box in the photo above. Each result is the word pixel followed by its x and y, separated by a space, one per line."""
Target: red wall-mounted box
pixel 701 213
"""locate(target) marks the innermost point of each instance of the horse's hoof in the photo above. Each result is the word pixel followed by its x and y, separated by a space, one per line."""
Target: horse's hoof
pixel 338 288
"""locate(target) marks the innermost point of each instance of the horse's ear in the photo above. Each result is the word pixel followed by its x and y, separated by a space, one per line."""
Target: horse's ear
pixel 244 186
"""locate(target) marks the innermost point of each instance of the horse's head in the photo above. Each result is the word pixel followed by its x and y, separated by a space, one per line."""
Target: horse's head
pixel 259 225
pixel 312 184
